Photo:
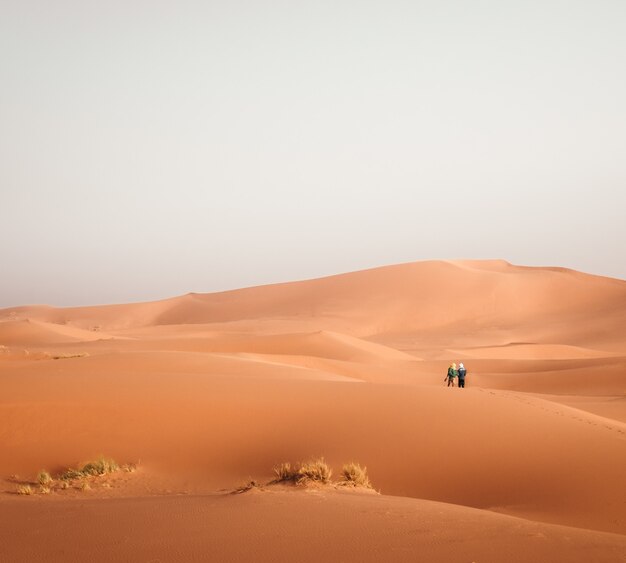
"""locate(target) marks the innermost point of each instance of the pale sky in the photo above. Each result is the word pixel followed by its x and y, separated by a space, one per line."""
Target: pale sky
pixel 149 149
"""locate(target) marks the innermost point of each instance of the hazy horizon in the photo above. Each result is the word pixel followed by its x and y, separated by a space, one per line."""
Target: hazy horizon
pixel 150 150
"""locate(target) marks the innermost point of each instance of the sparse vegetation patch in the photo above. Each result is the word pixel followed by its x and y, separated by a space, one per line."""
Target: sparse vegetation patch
pixel 79 478
pixel 354 475
pixel 101 466
pixel 24 490
pixel 284 472
pixel 68 356
pixel 44 478
pixel 317 470
pixel 71 473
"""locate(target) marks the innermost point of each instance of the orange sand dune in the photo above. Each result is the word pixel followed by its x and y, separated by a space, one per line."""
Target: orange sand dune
pixel 599 376
pixel 532 352
pixel 611 407
pixel 324 344
pixel 28 332
pixel 282 525
pixel 208 390
pixel 415 440
pixel 382 300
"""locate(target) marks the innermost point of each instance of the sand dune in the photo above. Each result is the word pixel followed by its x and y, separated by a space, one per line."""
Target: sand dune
pixel 415 441
pixel 589 377
pixel 36 333
pixel 286 526
pixel 208 390
pixel 323 344
pixel 521 351
pixel 403 297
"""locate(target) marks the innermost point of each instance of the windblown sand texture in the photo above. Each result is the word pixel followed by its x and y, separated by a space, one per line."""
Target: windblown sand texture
pixel 207 391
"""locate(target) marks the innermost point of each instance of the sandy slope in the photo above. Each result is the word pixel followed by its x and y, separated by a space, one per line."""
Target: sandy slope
pixel 208 390
pixel 416 441
pixel 29 332
pixel 279 525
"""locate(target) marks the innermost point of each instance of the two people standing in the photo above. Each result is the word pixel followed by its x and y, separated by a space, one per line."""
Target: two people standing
pixel 454 373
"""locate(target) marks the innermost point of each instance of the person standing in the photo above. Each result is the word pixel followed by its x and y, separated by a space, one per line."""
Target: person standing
pixel 462 372
pixel 452 375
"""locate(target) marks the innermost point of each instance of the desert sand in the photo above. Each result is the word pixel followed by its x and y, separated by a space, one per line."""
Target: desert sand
pixel 205 392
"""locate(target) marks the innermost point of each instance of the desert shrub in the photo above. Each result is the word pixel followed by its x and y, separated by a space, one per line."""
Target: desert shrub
pixel 44 489
pixel 284 472
pixel 71 473
pixel 44 478
pixel 101 466
pixel 24 490
pixel 355 475
pixel 316 470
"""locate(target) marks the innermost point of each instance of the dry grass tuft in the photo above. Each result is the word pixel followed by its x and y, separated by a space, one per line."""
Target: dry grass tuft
pixel 355 475
pixel 316 470
pixel 101 466
pixel 44 478
pixel 44 489
pixel 284 472
pixel 24 490
pixel 71 473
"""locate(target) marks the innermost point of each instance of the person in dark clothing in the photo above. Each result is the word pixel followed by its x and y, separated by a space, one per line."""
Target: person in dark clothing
pixel 462 372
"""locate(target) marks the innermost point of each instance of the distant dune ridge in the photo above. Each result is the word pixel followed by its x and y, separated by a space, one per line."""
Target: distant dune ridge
pixel 208 390
pixel 407 297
